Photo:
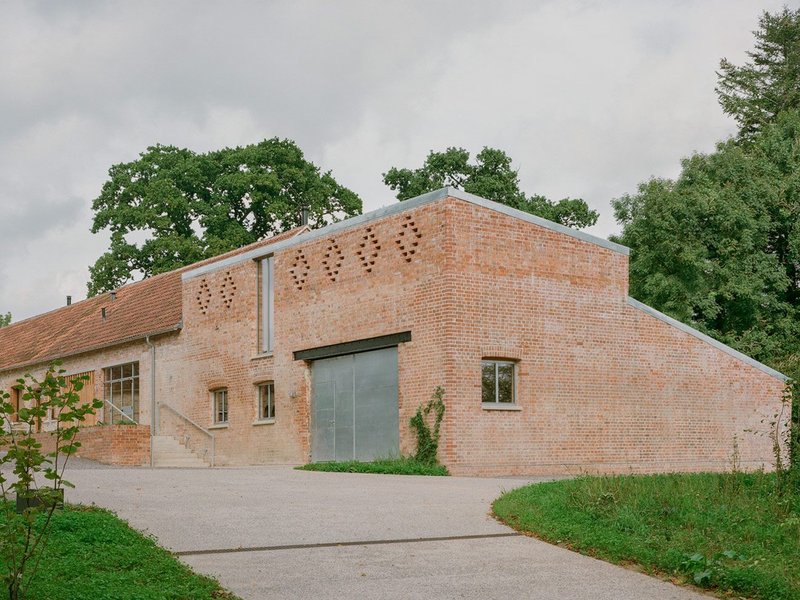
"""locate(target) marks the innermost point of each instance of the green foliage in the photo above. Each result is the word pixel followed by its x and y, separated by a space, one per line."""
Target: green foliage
pixel 36 475
pixel 5 319
pixel 757 92
pixel 92 554
pixel 492 177
pixel 194 206
pixel 388 466
pixel 737 536
pixel 427 437
pixel 719 248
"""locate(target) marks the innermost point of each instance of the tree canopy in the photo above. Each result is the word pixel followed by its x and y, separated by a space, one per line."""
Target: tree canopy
pixel 719 247
pixel 490 176
pixel 5 319
pixel 192 206
pixel 769 83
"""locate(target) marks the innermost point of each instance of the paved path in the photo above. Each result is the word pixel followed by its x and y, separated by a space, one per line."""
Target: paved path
pixel 269 532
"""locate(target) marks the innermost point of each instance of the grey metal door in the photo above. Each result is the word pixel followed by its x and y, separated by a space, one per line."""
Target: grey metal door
pixel 354 407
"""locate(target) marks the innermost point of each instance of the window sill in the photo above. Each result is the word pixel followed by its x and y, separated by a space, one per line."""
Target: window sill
pixel 261 355
pixel 500 406
pixel 218 426
pixel 264 422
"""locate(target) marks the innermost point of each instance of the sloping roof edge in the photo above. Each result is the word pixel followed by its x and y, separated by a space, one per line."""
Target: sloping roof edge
pixel 139 336
pixel 410 204
pixel 709 340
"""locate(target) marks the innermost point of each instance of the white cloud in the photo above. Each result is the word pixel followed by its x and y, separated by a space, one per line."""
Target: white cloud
pixel 589 98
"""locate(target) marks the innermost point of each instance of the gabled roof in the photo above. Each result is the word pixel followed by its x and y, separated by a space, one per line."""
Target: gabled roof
pixel 399 207
pixel 134 311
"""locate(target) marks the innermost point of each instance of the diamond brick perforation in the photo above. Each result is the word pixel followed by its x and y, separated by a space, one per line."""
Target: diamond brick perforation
pixel 408 238
pixel 203 296
pixel 332 260
pixel 227 290
pixel 299 269
pixel 368 249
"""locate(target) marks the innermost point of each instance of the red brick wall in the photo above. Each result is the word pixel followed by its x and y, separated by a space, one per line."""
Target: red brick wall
pixel 602 386
pixel 126 445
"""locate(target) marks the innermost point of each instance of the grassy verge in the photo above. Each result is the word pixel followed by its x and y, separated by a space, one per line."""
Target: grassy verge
pixel 726 532
pixel 393 466
pixel 92 554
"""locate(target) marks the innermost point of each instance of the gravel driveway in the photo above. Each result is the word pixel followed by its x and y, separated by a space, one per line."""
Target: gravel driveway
pixel 273 532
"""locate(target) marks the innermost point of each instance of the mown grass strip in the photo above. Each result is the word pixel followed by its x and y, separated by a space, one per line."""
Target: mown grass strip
pixel 727 532
pixel 393 466
pixel 93 554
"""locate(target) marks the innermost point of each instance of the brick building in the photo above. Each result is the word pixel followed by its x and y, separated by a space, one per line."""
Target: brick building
pixel 320 345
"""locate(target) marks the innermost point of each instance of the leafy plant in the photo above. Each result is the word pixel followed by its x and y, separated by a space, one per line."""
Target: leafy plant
pixel 427 437
pixel 707 571
pixel 24 531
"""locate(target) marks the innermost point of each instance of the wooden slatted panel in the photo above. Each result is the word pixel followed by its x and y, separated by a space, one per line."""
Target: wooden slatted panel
pixel 86 395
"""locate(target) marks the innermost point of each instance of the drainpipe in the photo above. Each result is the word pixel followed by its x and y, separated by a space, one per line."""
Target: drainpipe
pixel 152 397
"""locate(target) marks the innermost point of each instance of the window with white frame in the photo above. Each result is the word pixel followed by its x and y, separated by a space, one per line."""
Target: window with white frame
pixel 219 401
pixel 267 305
pixel 266 401
pixel 498 385
pixel 121 392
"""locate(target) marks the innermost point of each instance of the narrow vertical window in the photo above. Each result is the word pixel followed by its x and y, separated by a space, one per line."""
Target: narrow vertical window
pixel 220 402
pixel 267 307
pixel 266 401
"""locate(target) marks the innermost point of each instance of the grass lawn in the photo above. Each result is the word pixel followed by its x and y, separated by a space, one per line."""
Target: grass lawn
pixel 92 554
pixel 393 466
pixel 727 532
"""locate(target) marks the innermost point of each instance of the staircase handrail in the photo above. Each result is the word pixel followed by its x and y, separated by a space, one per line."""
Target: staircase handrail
pixel 120 411
pixel 179 414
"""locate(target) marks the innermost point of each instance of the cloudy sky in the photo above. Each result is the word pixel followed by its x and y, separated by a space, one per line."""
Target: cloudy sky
pixel 589 98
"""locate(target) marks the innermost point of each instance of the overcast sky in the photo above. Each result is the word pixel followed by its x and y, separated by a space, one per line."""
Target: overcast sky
pixel 589 98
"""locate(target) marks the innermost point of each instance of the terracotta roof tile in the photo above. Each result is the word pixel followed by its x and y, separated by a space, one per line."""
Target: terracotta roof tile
pixel 145 307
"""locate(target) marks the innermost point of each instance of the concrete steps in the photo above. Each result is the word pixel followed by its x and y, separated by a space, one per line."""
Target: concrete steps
pixel 169 452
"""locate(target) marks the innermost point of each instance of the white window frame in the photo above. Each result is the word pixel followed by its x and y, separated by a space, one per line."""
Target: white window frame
pixel 269 386
pixel 496 404
pixel 266 305
pixel 218 395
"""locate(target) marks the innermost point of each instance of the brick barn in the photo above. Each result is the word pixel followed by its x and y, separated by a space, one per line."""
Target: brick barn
pixel 320 345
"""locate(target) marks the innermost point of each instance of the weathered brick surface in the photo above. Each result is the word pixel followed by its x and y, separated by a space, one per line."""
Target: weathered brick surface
pixel 127 445
pixel 601 385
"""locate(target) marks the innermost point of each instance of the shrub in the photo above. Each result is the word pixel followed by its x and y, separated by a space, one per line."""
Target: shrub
pixel 38 478
pixel 427 437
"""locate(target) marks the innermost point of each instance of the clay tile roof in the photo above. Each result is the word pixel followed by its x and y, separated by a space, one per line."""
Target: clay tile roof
pixel 146 307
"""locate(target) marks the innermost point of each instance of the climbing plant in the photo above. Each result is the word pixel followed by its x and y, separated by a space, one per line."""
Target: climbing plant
pixel 427 436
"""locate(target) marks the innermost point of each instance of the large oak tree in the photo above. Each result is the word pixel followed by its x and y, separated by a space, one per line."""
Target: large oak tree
pixel 172 207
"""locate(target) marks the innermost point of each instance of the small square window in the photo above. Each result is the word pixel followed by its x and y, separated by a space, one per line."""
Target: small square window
pixel 220 403
pixel 498 385
pixel 266 401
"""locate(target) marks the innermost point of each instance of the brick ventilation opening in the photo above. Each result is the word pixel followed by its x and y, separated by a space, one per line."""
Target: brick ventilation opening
pixel 332 261
pixel 227 290
pixel 299 269
pixel 204 296
pixel 408 238
pixel 368 249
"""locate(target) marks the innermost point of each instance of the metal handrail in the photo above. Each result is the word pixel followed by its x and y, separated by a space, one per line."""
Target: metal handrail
pixel 116 408
pixel 193 424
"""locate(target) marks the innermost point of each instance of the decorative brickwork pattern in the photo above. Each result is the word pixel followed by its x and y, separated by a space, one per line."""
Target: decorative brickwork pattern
pixel 408 238
pixel 368 249
pixel 203 297
pixel 332 260
pixel 299 269
pixel 227 290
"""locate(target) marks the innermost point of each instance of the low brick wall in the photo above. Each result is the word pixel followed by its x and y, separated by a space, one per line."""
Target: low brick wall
pixel 123 445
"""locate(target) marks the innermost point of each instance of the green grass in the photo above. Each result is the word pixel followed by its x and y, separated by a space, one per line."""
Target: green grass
pixel 92 554
pixel 678 525
pixel 389 466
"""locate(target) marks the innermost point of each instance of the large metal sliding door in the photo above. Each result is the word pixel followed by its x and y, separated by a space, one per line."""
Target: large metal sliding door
pixel 354 407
